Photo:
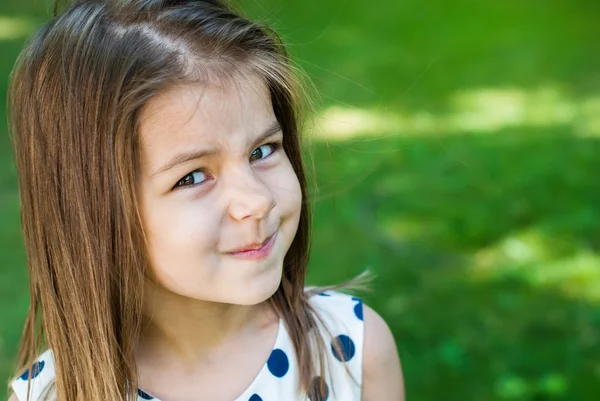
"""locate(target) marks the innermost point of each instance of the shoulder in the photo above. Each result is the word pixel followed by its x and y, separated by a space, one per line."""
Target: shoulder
pixel 382 373
pixel 376 352
pixel 39 378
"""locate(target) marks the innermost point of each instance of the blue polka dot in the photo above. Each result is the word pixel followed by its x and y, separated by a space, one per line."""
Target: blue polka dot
pixel 346 348
pixel 144 395
pixel 278 363
pixel 358 310
pixel 36 368
pixel 324 294
pixel 255 397
pixel 318 389
pixel 356 299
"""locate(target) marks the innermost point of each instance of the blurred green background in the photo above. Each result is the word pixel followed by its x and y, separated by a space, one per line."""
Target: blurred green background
pixel 457 155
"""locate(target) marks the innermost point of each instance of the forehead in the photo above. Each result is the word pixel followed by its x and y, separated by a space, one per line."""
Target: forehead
pixel 229 114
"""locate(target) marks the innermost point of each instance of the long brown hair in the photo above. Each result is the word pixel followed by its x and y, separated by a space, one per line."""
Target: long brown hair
pixel 75 97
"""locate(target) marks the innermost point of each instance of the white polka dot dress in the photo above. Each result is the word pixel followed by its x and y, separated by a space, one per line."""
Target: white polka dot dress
pixel 343 316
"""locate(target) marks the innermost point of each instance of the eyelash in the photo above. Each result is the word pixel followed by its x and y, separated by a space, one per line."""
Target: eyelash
pixel 276 146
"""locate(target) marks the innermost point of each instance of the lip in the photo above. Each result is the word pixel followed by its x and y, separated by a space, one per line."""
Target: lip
pixel 256 254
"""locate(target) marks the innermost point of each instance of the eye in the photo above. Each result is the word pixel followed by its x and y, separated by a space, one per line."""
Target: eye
pixel 261 154
pixel 195 177
pixel 192 179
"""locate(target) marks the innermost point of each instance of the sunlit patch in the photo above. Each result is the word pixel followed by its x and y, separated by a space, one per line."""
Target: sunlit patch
pixel 518 249
pixel 15 27
pixel 482 110
pixel 491 109
pixel 541 261
pixel 588 122
pixel 343 122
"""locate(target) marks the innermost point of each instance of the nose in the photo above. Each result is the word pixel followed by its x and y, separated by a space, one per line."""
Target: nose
pixel 250 198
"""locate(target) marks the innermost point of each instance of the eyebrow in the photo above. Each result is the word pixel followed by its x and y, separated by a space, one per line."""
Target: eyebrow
pixel 198 154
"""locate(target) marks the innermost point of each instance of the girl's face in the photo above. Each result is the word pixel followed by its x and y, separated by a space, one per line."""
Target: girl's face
pixel 212 182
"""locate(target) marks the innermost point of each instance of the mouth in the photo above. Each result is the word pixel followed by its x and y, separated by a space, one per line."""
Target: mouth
pixel 256 254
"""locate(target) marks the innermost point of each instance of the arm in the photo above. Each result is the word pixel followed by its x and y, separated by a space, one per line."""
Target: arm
pixel 13 397
pixel 382 374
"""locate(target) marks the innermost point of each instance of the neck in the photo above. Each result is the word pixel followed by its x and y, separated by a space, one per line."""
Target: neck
pixel 186 331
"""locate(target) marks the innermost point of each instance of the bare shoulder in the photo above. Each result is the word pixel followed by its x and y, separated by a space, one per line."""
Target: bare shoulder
pixel 382 373
pixel 13 397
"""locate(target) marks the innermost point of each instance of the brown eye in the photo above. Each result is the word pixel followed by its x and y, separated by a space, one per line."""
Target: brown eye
pixel 260 154
pixel 192 179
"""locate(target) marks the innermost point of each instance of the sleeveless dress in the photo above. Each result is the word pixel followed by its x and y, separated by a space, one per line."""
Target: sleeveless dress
pixel 277 380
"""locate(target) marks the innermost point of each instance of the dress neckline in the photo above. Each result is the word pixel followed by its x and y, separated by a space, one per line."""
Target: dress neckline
pixel 281 331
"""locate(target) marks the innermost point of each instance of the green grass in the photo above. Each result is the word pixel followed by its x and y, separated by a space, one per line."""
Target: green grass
pixel 469 185
pixel 487 256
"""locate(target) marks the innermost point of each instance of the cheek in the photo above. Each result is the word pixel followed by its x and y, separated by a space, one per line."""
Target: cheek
pixel 287 191
pixel 289 203
pixel 178 232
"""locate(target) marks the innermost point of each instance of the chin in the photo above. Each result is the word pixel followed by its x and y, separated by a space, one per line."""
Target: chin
pixel 259 290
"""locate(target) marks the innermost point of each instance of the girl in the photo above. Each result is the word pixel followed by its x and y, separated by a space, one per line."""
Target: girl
pixel 166 217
